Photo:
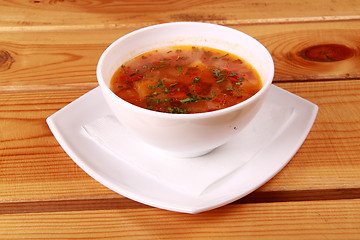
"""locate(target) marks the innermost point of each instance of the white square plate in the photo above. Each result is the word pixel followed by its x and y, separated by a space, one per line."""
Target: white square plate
pixel 67 127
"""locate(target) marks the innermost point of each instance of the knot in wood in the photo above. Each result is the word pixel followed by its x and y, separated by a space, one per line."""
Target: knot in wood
pixel 327 53
pixel 6 60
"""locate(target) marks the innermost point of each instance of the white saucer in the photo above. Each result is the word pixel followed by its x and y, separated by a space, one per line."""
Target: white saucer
pixel 67 126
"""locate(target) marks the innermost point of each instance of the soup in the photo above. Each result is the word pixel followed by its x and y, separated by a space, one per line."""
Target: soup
pixel 185 79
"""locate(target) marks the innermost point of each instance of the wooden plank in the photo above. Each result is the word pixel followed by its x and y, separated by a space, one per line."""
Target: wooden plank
pixel 34 167
pixel 82 14
pixel 332 149
pixel 53 58
pixel 337 219
pixel 119 203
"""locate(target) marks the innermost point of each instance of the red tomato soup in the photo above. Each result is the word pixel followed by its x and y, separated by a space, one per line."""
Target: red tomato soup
pixel 185 79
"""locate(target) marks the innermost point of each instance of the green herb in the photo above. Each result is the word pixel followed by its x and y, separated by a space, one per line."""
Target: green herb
pixel 133 74
pixel 230 89
pixel 205 98
pixel 176 110
pixel 158 66
pixel 179 69
pixel 156 100
pixel 220 56
pixel 173 85
pixel 217 72
pixel 154 94
pixel 241 79
pixel 188 100
pixel 196 80
pixel 193 98
pixel 219 75
pixel 173 91
pixel 159 86
pixel 232 74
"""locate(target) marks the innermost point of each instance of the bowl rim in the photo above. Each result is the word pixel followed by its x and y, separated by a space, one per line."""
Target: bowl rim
pixel 215 113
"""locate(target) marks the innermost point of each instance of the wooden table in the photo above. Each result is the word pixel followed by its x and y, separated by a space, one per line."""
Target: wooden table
pixel 48 53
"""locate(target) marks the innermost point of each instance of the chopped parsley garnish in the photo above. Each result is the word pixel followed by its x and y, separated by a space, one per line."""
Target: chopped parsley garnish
pixel 156 100
pixel 205 98
pixel 154 94
pixel 133 74
pixel 188 100
pixel 180 79
pixel 221 56
pixel 193 98
pixel 217 72
pixel 241 79
pixel 159 86
pixel 176 110
pixel 196 80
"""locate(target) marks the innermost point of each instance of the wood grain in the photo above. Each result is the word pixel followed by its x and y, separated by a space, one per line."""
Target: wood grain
pixel 333 141
pixel 30 154
pixel 48 55
pixel 57 14
pixel 71 58
pixel 35 165
pixel 337 219
pixel 103 202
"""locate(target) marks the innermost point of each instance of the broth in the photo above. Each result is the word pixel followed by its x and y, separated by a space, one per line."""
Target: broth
pixel 185 79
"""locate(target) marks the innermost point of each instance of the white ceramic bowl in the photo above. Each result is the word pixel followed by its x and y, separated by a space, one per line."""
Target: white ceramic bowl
pixel 185 135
